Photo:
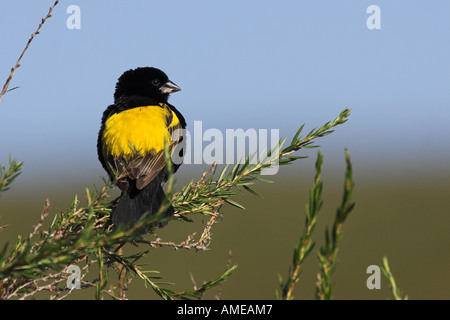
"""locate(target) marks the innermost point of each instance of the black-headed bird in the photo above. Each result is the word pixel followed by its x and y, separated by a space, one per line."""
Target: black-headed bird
pixel 131 142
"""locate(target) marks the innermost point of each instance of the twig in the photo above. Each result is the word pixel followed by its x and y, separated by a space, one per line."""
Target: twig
pixel 388 274
pixel 13 69
pixel 328 253
pixel 228 266
pixel 186 244
pixel 44 215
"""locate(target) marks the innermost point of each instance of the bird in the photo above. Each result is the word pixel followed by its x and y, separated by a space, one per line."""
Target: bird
pixel 131 141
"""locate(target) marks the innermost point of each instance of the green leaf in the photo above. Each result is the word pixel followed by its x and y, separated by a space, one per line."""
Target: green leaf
pixel 253 191
pixel 234 203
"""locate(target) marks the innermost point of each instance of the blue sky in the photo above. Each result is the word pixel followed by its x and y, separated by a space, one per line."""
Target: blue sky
pixel 240 64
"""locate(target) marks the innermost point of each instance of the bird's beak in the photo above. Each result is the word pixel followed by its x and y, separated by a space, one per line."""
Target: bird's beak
pixel 169 87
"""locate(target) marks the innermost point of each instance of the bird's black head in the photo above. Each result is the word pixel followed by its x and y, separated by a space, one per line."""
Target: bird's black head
pixel 147 82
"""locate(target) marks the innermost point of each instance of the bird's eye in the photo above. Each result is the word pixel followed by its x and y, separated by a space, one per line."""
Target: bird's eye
pixel 156 82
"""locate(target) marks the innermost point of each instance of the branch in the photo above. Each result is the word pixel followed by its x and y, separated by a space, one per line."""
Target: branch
pixel 13 69
pixel 328 253
pixel 306 244
pixel 8 176
pixel 388 274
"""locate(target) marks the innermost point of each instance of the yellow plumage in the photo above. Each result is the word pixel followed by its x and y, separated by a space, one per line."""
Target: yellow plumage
pixel 141 129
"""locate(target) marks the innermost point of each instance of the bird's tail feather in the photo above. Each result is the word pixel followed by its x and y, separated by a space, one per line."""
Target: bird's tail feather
pixel 133 203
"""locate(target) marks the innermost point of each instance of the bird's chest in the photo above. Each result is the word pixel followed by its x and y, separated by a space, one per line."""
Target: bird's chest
pixel 141 130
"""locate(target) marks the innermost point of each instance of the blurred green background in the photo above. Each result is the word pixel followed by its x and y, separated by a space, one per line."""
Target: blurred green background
pixel 404 217
pixel 251 64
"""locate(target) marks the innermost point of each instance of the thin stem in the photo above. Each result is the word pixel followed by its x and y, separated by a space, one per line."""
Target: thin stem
pixel 13 69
